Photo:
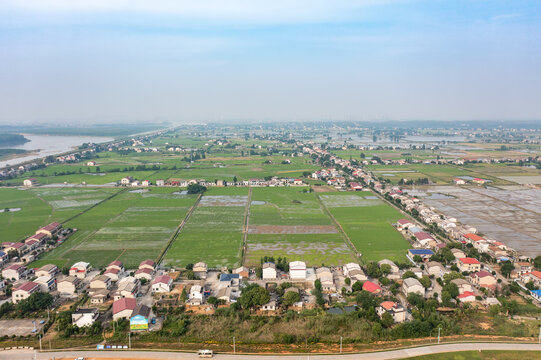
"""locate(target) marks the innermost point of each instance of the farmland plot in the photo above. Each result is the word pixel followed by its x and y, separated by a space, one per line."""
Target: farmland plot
pixel 213 233
pixel 287 222
pixel 130 227
pixel 369 225
pixel 32 208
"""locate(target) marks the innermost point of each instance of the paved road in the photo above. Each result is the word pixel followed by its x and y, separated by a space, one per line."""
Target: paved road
pixel 153 355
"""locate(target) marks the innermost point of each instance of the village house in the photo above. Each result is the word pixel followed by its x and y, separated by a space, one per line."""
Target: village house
pixel 17 247
pixel 196 295
pixel 534 276
pixel 457 253
pixel 463 285
pixel 24 291
pixel 243 272
pixel 147 264
pixel 224 294
pixel 143 273
pixel 435 268
pixel 14 272
pixel 123 308
pixel 99 296
pixel 354 272
pixel 162 283
pixel 47 270
pixel 404 224
pixel 325 276
pixel 127 287
pixel 270 306
pixel 126 180
pixel 229 280
pixel 425 254
pixel 100 282
pixel 200 270
pixel 84 317
pixel 140 318
pixel 80 269
pixel 113 274
pixel 394 267
pixel 50 230
pixel 397 311
pixel 47 283
pixel 29 182
pixel 484 279
pixel 269 271
pixel 523 267
pixel 68 285
pixel 468 264
pixel 371 287
pixel 160 182
pixel 116 265
pixel 412 285
pixel 467 296
pixel 297 270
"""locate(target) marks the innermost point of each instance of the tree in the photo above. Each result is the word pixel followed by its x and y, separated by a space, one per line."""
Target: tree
pixel 387 320
pixel 506 268
pixel 35 302
pixel 409 274
pixel 290 298
pixel 253 295
pixel 348 281
pixel 357 286
pixel 373 270
pixel 451 289
pixel 425 282
pixel 196 189
pixel 537 260
pixel 385 269
pixel 317 285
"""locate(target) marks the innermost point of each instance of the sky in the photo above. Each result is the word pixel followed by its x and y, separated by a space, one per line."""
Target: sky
pixel 96 61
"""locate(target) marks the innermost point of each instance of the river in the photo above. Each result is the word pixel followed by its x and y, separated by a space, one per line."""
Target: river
pixel 45 145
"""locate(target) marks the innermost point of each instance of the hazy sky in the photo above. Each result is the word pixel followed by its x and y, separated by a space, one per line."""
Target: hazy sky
pixel 101 60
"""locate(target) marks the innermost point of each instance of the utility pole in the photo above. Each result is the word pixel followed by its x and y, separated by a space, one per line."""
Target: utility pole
pixel 234 346
pixel 129 340
pixel 340 344
pixel 439 328
pixel 40 342
pixel 539 335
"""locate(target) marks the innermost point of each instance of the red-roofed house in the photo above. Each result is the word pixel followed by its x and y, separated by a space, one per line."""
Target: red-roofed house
pixel 468 296
pixel 484 279
pixel 112 273
pixel 147 264
pixel 470 237
pixel 116 265
pixel 468 264
pixel 123 308
pixel 162 283
pixel 41 237
pixel 371 287
pixel 396 310
pixel 143 273
pixel 17 246
pixel 13 272
pixel 534 276
pixel 51 229
pixel 404 224
pixel 24 291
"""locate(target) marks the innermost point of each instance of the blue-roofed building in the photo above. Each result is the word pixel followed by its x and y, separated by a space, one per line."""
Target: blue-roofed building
pixel 3 256
pixel 414 229
pixel 536 294
pixel 229 279
pixel 423 253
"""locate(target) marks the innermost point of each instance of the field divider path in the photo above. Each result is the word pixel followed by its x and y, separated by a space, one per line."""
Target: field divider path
pixel 178 229
pixel 409 217
pixel 93 206
pixel 246 225
pixel 345 236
